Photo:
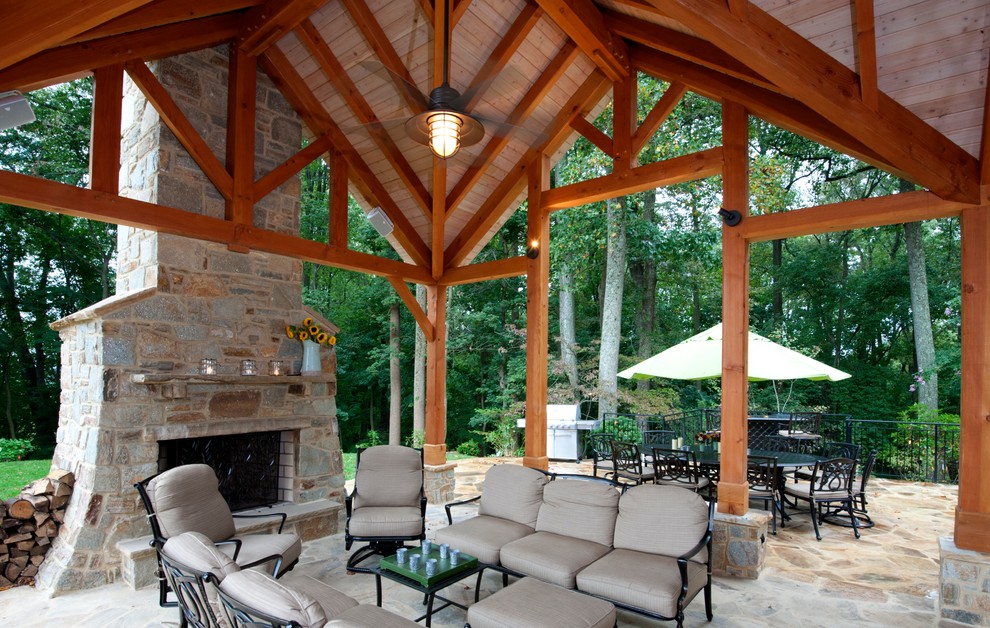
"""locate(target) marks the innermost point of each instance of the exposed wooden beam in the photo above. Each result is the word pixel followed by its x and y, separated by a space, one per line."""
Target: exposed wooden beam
pixel 866 47
pixel 241 96
pixel 706 163
pixel 858 214
pixel 591 133
pixel 184 131
pixel 583 22
pixel 35 26
pixel 338 205
pixel 160 13
pixel 773 107
pixel 581 103
pixel 351 95
pixel 291 166
pixel 624 107
pixel 104 156
pixel 437 240
pixel 457 11
pixel 295 90
pixel 527 104
pixel 537 315
pixel 809 74
pixel 65 63
pixel 658 115
pixel 264 25
pixel 485 271
pixel 985 143
pixel 435 448
pixel 19 189
pixel 381 45
pixel 412 304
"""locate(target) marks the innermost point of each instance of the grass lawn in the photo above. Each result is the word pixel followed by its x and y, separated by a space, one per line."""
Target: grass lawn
pixel 15 475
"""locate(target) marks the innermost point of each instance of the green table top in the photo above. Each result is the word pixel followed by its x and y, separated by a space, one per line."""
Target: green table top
pixel 444 569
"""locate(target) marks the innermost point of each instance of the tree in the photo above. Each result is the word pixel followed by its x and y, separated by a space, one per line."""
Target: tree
pixel 395 378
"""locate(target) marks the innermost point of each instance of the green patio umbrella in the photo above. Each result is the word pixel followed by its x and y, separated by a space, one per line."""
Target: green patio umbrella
pixel 700 357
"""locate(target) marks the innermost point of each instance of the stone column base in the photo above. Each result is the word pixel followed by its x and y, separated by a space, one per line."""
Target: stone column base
pixel 964 585
pixel 739 544
pixel 439 482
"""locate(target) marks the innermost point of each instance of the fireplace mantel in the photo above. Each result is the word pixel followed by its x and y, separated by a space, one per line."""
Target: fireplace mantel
pixel 173 385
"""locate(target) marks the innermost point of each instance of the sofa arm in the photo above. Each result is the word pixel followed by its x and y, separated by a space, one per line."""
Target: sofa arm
pixel 447 507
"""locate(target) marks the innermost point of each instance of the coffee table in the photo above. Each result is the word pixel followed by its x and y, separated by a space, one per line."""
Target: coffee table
pixel 429 586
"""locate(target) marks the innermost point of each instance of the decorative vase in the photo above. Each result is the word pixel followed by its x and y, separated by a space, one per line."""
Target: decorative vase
pixel 311 358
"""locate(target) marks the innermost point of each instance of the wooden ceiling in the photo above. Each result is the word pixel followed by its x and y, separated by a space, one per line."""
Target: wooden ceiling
pixel 898 83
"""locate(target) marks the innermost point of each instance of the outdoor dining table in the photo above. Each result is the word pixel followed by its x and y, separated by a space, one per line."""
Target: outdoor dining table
pixel 707 456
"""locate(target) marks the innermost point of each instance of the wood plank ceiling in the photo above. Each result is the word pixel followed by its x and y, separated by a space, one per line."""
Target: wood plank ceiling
pixel 898 83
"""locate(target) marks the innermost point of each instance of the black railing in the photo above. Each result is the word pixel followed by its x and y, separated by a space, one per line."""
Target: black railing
pixel 907 450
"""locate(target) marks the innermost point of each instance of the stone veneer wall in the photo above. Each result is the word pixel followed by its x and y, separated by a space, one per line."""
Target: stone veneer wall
pixel 179 300
pixel 739 544
pixel 964 585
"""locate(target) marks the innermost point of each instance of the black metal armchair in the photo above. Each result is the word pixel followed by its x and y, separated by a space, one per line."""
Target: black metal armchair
pixel 628 463
pixel 601 454
pixel 859 501
pixel 764 484
pixel 830 490
pixel 676 467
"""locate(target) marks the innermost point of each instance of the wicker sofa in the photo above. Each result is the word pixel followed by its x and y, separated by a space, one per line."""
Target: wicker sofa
pixel 646 548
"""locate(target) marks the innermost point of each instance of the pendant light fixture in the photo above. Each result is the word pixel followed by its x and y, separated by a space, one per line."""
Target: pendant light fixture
pixel 442 127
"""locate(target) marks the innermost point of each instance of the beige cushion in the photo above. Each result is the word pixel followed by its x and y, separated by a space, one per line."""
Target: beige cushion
pixel 197 552
pixel 263 593
pixel 644 511
pixel 257 546
pixel 388 476
pixel 552 557
pixel 386 521
pixel 332 601
pixel 581 509
pixel 482 536
pixel 647 581
pixel 187 498
pixel 530 603
pixel 368 616
pixel 803 491
pixel 513 492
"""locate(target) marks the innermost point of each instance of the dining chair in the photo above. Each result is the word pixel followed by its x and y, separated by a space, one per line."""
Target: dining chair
pixel 764 483
pixel 628 463
pixel 804 428
pixel 859 502
pixel 830 489
pixel 678 467
pixel 830 449
pixel 656 438
pixel 601 454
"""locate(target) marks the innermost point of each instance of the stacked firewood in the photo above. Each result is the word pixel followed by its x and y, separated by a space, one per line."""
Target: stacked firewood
pixel 28 525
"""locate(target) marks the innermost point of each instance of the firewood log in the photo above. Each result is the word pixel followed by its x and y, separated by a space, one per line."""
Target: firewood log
pixel 62 477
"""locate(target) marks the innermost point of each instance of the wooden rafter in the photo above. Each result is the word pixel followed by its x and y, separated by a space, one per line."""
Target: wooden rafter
pixel 985 139
pixel 593 135
pixel 27 191
pixel 70 62
pixel 295 90
pixel 351 95
pixel 583 22
pixel 807 73
pixel 527 104
pixel 581 103
pixel 691 167
pixel 437 240
pixel 184 131
pixel 624 108
pixel 291 166
pixel 380 44
pixel 412 304
pixel 866 40
pixel 337 201
pixel 485 271
pixel 160 13
pixel 457 11
pixel 53 22
pixel 658 115
pixel 241 97
pixel 104 155
pixel 264 25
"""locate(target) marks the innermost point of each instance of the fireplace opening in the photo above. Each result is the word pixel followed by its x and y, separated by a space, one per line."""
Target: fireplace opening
pixel 247 465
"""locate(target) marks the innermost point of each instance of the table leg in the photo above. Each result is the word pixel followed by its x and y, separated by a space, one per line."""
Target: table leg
pixel 378 589
pixel 429 609
pixel 477 587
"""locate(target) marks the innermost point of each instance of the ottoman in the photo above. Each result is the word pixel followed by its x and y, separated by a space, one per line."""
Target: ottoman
pixel 532 603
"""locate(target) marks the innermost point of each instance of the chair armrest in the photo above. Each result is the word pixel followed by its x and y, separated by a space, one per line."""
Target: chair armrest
pixel 267 559
pixel 348 499
pixel 271 514
pixel 447 507
pixel 235 542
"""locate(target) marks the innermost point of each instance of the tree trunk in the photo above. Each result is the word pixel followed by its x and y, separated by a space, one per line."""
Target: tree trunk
pixel 608 359
pixel 926 381
pixel 647 278
pixel 568 339
pixel 778 292
pixel 395 378
pixel 419 371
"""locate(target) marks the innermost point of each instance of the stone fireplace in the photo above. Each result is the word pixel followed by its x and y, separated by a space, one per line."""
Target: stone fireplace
pixel 131 386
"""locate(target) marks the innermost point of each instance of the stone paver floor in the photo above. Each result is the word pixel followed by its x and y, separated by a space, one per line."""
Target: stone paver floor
pixel 887 578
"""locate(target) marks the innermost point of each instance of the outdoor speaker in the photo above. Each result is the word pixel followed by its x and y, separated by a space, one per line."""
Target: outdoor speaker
pixel 15 110
pixel 380 221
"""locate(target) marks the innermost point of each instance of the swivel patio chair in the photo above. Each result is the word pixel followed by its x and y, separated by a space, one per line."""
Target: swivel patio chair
pixel 187 499
pixel 764 484
pixel 830 490
pixel 676 467
pixel 388 505
pixel 859 503
pixel 628 463
pixel 601 454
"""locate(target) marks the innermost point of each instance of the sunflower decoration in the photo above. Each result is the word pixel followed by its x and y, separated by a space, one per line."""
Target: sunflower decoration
pixel 310 331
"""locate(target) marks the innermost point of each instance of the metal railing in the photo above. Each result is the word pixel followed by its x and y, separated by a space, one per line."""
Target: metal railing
pixel 907 450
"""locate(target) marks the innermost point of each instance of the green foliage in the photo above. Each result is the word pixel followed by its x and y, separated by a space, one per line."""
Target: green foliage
pixel 14 449
pixel 371 439
pixel 622 428
pixel 416 439
pixel 14 476
pixel 469 448
pixel 499 428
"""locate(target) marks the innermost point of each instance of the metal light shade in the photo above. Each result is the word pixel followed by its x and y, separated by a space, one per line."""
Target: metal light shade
pixel 445 131
pixel 15 110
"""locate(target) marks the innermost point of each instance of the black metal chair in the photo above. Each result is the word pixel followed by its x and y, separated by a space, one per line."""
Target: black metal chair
pixel 601 454
pixel 190 589
pixel 628 463
pixel 830 449
pixel 829 491
pixel 859 502
pixel 764 483
pixel 676 467
pixel 804 428
pixel 656 438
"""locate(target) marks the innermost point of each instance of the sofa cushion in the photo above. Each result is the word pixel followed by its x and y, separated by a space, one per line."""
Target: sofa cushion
pixel 368 616
pixel 257 546
pixel 482 536
pixel 386 521
pixel 263 593
pixel 332 601
pixel 187 498
pixel 644 510
pixel 530 603
pixel 513 492
pixel 388 475
pixel 582 509
pixel 648 581
pixel 198 553
pixel 551 557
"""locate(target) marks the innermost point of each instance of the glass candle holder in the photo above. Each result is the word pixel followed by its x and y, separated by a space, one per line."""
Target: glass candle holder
pixel 413 562
pixel 208 366
pixel 400 555
pixel 249 367
pixel 431 567
pixel 455 555
pixel 276 367
pixel 444 550
pixel 427 546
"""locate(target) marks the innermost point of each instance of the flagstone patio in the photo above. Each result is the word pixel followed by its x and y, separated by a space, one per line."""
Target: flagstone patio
pixel 887 578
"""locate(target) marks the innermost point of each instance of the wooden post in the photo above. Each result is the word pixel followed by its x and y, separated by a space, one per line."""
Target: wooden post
pixel 338 201
pixel 104 160
pixel 241 97
pixel 733 489
pixel 972 524
pixel 537 316
pixel 435 447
